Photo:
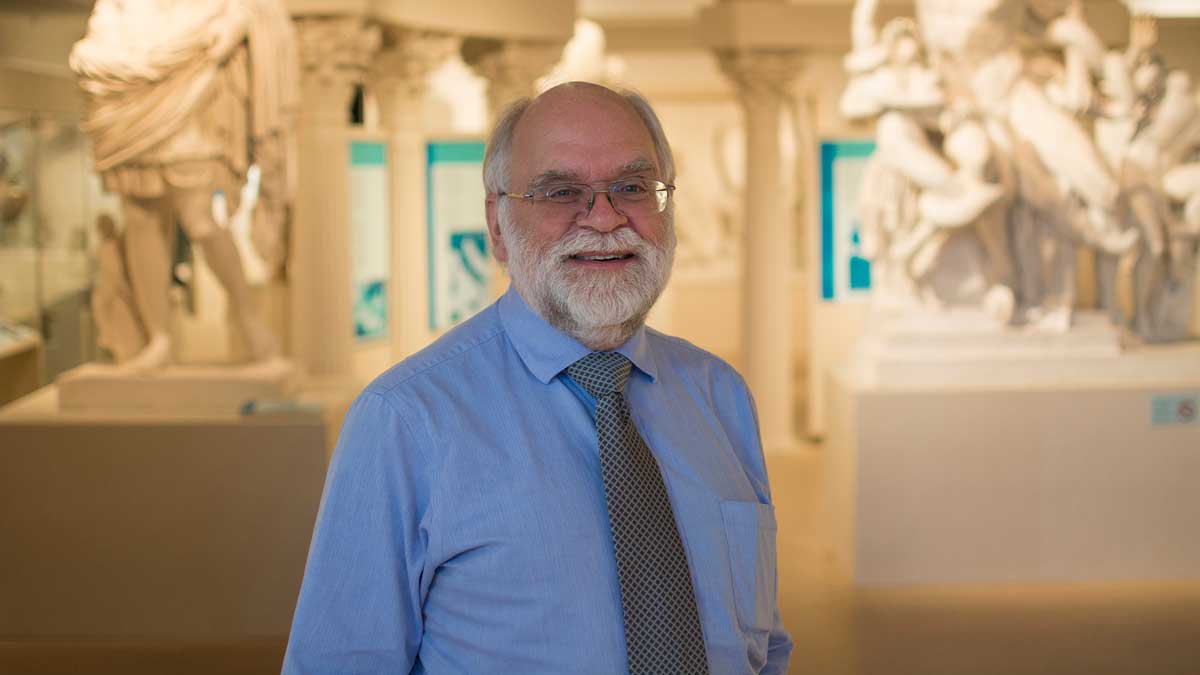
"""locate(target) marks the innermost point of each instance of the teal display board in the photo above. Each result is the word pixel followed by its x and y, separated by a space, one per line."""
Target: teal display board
pixel 369 238
pixel 460 263
pixel 845 273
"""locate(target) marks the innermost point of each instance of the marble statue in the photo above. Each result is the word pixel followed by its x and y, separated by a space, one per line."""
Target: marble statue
pixel 917 198
pixel 182 98
pixel 113 304
pixel 994 167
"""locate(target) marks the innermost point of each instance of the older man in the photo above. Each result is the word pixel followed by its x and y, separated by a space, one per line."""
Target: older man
pixel 552 487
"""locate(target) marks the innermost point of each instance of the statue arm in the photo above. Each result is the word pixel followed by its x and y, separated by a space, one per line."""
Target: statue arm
pixel 863 33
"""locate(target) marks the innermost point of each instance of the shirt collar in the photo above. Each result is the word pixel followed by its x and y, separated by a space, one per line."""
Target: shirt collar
pixel 546 351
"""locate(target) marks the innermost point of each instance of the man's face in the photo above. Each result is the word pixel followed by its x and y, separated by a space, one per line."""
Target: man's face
pixel 585 272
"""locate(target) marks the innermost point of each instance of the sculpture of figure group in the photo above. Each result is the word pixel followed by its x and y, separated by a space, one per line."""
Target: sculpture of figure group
pixel 1008 137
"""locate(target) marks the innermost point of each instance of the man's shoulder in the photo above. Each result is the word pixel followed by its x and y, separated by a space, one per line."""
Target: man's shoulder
pixel 682 355
pixel 459 350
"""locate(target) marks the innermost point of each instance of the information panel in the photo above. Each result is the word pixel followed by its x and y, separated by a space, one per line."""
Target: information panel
pixel 369 238
pixel 460 264
pixel 845 272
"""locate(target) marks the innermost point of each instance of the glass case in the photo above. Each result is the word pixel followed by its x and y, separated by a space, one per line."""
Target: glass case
pixel 49 202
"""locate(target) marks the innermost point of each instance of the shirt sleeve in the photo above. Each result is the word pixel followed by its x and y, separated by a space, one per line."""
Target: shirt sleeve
pixel 359 609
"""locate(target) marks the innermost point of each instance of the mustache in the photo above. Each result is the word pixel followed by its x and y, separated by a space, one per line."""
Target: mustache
pixel 590 241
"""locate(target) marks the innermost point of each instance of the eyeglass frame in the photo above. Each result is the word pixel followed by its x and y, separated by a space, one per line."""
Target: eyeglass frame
pixel 532 195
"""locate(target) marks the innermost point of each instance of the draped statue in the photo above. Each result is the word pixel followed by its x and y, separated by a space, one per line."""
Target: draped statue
pixel 183 98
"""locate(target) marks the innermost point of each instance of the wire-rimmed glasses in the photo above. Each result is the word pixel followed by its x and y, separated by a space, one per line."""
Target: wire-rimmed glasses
pixel 633 197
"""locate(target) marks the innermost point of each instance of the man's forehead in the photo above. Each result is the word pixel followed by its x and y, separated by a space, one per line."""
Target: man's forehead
pixel 586 124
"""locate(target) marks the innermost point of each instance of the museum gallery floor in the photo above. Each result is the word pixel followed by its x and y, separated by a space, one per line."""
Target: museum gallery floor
pixel 1144 628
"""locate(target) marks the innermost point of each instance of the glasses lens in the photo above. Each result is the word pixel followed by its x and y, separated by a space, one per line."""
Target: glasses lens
pixel 565 194
pixel 637 197
pixel 640 196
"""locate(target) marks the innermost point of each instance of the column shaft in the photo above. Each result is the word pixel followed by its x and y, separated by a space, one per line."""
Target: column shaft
pixel 400 76
pixel 768 340
pixel 333 54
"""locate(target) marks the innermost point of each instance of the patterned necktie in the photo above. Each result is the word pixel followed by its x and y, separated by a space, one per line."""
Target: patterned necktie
pixel 662 624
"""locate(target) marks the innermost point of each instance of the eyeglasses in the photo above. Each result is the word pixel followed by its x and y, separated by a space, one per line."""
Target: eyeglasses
pixel 633 198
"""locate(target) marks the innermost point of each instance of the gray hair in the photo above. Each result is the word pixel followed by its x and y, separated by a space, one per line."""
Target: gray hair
pixel 497 159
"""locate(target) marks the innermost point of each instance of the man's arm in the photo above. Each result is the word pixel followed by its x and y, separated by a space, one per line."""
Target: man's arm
pixel 779 644
pixel 360 604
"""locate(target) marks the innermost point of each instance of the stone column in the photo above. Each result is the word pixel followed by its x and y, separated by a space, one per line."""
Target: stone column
pixel 762 77
pixel 399 78
pixel 511 67
pixel 334 52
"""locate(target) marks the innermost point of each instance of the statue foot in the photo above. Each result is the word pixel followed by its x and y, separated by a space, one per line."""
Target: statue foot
pixel 154 356
pixel 1056 321
pixel 1000 302
pixel 259 341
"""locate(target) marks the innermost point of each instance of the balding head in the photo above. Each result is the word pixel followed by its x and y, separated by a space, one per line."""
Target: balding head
pixel 566 99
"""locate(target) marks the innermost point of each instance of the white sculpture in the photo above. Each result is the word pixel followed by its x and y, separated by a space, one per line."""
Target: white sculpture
pixel 113 304
pixel 1003 156
pixel 178 93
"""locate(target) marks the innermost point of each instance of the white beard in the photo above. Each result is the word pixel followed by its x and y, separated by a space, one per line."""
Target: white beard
pixel 600 309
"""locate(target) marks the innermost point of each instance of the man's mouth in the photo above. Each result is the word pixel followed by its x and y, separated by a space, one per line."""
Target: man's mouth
pixel 601 257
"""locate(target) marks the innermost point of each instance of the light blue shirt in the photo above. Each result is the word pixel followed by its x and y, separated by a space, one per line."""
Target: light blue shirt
pixel 464 529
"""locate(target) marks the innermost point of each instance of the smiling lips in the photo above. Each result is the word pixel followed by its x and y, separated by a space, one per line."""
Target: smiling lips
pixel 602 259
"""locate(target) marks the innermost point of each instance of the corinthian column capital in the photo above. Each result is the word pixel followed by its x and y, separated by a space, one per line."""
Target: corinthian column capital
pixel 407 57
pixel 511 67
pixel 761 72
pixel 335 51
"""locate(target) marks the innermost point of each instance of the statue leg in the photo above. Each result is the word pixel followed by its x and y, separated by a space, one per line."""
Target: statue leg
pixel 1150 278
pixel 195 211
pixel 1059 299
pixel 1106 286
pixel 148 256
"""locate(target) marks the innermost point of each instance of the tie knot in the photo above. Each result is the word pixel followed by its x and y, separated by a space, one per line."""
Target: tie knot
pixel 600 373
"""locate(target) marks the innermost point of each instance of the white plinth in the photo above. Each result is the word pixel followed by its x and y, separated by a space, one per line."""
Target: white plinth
pixel 1017 468
pixel 95 387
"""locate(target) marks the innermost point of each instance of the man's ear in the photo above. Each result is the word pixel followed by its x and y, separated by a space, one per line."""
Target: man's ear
pixel 491 206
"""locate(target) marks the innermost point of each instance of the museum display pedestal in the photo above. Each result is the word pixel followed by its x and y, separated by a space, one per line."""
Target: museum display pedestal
pixel 210 389
pixel 154 526
pixel 1036 464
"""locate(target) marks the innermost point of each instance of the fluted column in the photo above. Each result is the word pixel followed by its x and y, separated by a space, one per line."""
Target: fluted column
pixel 334 52
pixel 399 77
pixel 762 77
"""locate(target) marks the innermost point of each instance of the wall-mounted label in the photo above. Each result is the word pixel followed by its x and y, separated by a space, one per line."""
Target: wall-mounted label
pixel 1175 409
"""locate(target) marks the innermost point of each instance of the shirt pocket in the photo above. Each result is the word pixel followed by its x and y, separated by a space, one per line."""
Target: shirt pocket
pixel 750 533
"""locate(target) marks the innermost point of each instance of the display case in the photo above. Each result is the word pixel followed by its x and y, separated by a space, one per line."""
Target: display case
pixel 49 202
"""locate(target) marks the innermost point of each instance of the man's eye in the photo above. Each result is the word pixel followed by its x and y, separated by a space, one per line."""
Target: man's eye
pixel 563 193
pixel 631 188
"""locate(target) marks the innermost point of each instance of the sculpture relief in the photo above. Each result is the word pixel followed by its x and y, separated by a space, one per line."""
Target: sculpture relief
pixel 183 98
pixel 996 163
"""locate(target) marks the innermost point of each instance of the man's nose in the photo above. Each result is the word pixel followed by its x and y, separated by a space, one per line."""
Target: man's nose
pixel 602 215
